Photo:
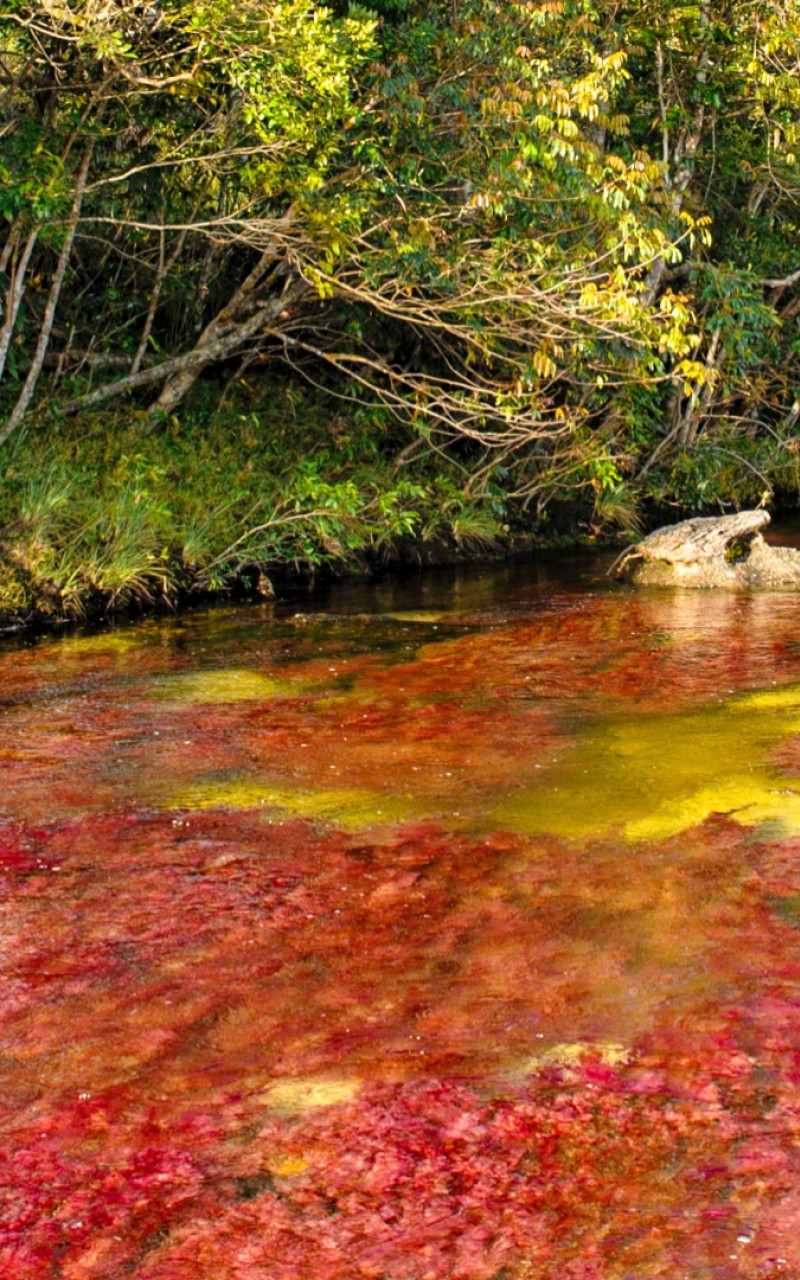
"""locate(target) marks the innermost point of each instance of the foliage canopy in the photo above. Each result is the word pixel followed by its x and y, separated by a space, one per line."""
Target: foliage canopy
pixel 551 240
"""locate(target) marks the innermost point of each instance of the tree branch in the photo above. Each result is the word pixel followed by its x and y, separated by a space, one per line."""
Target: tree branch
pixel 785 283
pixel 198 358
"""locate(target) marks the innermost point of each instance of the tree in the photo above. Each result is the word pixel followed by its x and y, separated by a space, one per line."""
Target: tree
pixel 718 82
pixel 551 238
pixel 193 119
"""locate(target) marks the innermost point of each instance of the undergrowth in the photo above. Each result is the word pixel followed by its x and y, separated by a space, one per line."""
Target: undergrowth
pixel 106 512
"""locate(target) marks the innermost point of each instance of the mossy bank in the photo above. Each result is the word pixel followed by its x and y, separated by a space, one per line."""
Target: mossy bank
pixel 102 514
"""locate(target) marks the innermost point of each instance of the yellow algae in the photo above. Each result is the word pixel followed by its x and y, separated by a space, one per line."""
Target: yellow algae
pixel 291 1097
pixel 416 615
pixel 746 800
pixel 349 808
pixel 570 1055
pixel 228 684
pixel 288 1166
pixel 651 776
pixel 102 642
pixel 785 698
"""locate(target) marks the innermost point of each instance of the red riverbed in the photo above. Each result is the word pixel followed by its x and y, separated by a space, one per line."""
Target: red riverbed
pixel 455 934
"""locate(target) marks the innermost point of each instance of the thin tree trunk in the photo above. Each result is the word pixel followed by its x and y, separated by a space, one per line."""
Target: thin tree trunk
pixel 684 151
pixel 791 419
pixel 212 251
pixel 16 289
pixel 52 302
pixel 165 265
pixel 154 297
pixel 10 246
pixel 63 356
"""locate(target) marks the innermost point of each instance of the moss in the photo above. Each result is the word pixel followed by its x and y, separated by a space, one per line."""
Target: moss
pixel 737 549
pixel 16 598
pixel 651 776
pixel 351 809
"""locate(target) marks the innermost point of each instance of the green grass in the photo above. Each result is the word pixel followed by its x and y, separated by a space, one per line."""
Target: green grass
pixel 106 511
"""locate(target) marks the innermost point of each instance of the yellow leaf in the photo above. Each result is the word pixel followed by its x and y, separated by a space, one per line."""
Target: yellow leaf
pixel 544 365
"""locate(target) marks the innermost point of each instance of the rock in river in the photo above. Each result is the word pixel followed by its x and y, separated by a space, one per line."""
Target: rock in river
pixel 719 551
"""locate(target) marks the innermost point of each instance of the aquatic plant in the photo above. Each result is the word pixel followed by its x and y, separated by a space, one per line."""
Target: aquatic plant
pixel 241 1039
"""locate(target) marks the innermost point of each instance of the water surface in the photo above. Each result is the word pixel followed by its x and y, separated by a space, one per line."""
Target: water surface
pixel 428 928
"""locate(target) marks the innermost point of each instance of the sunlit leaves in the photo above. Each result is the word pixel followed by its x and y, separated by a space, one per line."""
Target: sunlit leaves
pixel 293 64
pixel 543 364
pixel 486 183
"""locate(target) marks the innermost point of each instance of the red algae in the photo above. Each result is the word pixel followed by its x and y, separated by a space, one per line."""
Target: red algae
pixel 238 1041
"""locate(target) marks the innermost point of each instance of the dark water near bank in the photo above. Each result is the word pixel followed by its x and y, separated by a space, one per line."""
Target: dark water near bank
pixel 445 926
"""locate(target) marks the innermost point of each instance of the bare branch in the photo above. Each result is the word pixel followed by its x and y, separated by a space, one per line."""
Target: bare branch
pixel 785 283
pixel 179 383
pixel 199 357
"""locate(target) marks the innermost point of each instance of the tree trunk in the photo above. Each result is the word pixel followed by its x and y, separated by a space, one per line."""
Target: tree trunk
pixel 225 322
pixel 10 246
pixel 52 302
pixel 682 154
pixel 200 357
pixel 16 289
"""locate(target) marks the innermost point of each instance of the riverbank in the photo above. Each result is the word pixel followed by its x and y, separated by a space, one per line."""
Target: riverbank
pixel 108 514
pixel 104 514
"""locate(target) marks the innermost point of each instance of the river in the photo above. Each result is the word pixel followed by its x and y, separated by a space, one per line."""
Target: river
pixel 441 926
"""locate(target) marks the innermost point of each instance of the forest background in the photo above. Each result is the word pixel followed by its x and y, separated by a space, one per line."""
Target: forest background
pixel 287 283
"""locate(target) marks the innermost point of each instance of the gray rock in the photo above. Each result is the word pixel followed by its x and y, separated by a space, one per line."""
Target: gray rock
pixel 720 551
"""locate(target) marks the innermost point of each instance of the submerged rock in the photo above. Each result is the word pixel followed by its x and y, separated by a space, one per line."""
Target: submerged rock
pixel 720 551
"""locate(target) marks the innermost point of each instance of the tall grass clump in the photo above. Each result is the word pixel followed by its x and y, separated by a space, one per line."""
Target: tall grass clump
pixel 101 514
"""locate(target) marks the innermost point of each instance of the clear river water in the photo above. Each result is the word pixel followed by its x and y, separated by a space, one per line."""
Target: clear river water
pixel 437 927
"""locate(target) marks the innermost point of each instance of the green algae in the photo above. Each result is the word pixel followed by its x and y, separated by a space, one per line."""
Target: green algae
pixel 651 776
pixel 351 809
pixel 788 909
pixel 227 684
pixel 118 642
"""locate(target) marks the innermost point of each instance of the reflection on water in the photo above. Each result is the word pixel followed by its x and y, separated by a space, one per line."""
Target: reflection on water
pixel 441 926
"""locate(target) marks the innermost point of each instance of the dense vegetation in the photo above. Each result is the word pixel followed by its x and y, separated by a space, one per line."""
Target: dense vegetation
pixel 291 281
